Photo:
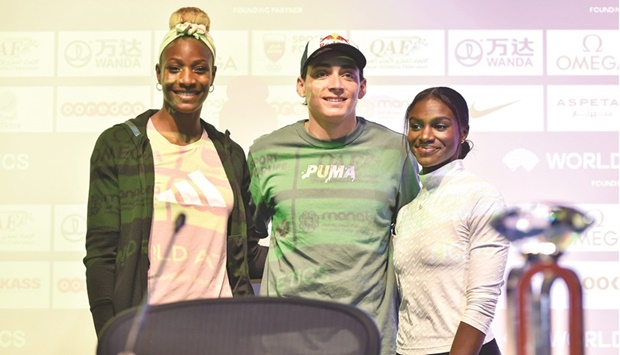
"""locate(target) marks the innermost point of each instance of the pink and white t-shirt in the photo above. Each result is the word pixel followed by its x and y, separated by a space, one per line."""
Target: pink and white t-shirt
pixel 190 180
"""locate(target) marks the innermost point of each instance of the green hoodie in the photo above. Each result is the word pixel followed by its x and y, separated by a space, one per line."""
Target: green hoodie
pixel 120 209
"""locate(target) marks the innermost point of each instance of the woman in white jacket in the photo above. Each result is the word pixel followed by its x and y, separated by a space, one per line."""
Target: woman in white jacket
pixel 449 261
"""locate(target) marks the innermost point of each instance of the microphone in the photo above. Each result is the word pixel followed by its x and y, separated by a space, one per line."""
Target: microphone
pixel 178 224
pixel 138 320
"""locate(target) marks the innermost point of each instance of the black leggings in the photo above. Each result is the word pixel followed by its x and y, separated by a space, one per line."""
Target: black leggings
pixel 489 348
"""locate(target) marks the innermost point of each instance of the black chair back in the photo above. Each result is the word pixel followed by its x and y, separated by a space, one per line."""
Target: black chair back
pixel 245 326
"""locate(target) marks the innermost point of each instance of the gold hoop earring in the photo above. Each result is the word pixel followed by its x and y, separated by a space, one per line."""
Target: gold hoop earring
pixel 158 87
pixel 211 89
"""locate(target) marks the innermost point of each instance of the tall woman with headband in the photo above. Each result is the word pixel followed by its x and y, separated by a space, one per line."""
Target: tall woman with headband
pixel 169 213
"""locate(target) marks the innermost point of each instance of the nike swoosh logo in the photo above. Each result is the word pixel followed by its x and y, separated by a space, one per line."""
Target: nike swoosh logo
pixel 475 113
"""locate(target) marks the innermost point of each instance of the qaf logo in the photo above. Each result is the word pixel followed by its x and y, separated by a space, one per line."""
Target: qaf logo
pixel 398 47
pixel 12 221
pixel 17 47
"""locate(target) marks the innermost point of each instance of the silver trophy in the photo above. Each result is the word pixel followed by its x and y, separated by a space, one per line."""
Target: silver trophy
pixel 541 233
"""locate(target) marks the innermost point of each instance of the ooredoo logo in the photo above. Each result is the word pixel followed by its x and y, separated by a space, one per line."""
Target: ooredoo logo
pixel 601 283
pixel 71 285
pixel 92 109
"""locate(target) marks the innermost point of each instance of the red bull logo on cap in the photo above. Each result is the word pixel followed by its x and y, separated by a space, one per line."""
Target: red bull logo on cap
pixel 332 38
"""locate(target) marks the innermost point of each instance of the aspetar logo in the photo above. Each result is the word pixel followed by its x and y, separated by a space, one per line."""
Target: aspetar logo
pixel 587 102
pixel 589 106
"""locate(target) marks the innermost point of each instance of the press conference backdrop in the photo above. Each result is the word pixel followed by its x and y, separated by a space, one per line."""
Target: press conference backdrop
pixel 541 78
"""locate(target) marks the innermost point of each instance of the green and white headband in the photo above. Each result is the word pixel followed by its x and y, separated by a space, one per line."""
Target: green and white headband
pixel 188 29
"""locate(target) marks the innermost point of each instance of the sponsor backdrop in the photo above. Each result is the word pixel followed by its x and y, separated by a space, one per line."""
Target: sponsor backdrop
pixel 541 78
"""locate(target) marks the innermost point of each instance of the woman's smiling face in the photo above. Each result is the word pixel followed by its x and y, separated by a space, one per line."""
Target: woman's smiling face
pixel 434 134
pixel 186 73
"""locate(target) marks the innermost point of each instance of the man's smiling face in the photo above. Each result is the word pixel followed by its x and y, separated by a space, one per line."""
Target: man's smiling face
pixel 332 87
